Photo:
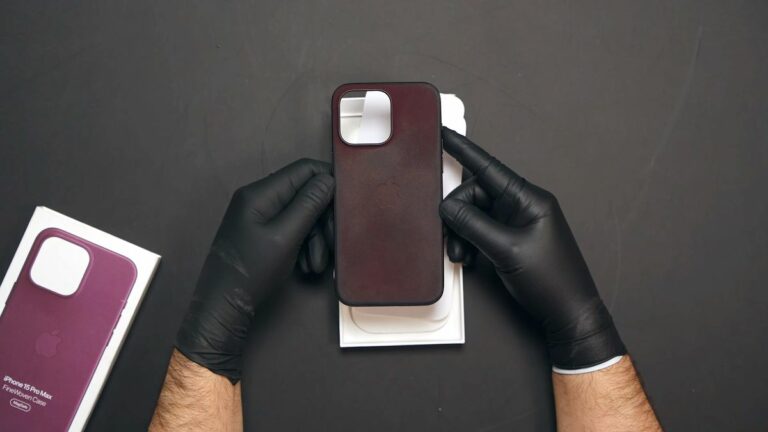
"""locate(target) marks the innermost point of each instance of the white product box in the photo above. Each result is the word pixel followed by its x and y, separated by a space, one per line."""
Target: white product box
pixel 439 323
pixel 57 264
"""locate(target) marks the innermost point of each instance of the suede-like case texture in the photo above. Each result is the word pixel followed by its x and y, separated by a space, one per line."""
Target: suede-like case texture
pixel 389 246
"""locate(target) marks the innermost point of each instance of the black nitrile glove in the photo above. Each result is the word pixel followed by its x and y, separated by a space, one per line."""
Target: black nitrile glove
pixel 523 232
pixel 267 225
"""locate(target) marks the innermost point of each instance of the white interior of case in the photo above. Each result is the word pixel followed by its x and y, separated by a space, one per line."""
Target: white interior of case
pixel 60 266
pixel 439 323
pixel 365 120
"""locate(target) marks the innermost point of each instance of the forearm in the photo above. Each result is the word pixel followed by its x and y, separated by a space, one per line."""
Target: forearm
pixel 196 399
pixel 611 399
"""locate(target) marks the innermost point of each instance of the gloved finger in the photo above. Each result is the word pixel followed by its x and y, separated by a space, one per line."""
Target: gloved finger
pixel 465 174
pixel 459 250
pixel 472 192
pixel 303 261
pixel 328 229
pixel 268 196
pixel 470 256
pixel 298 217
pixel 474 225
pixel 317 250
pixel 456 247
pixel 496 177
pixel 501 183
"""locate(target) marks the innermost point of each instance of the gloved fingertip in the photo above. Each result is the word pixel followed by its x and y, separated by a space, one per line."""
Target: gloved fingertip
pixel 322 187
pixel 327 180
pixel 449 208
pixel 328 230
pixel 303 262
pixel 455 248
pixel 470 256
pixel 446 131
pixel 317 251
pixel 319 189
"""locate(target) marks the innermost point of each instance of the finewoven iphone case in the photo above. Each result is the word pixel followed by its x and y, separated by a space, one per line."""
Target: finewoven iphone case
pixel 389 243
pixel 50 344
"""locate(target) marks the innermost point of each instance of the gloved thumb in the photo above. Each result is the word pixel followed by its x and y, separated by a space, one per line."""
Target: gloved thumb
pixel 309 203
pixel 474 225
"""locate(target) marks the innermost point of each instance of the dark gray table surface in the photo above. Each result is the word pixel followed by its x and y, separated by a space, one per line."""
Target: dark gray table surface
pixel 648 119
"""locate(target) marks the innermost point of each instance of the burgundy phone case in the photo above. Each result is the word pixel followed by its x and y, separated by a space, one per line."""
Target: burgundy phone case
pixel 51 344
pixel 389 244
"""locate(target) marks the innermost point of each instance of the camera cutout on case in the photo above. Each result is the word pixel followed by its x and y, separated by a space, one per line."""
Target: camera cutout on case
pixel 60 266
pixel 365 117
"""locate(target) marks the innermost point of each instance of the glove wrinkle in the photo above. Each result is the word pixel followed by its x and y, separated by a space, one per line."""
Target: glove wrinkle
pixel 228 257
pixel 255 249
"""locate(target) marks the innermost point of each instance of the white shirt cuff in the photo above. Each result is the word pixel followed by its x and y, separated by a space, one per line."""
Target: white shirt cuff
pixel 594 368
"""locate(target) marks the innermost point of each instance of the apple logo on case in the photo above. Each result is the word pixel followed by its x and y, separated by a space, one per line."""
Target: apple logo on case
pixel 387 194
pixel 47 344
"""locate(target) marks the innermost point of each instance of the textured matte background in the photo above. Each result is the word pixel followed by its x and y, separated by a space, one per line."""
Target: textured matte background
pixel 647 119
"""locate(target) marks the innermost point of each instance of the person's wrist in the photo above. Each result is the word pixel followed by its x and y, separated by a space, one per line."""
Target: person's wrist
pixel 218 318
pixel 589 340
pixel 195 397
pixel 207 341
pixel 222 357
pixel 180 364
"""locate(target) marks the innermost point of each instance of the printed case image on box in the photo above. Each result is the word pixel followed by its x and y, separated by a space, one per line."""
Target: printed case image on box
pixel 67 302
pixel 50 343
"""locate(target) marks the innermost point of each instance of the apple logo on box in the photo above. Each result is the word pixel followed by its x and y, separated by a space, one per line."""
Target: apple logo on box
pixel 47 344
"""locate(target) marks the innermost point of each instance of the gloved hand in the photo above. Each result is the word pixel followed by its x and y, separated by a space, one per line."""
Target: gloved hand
pixel 521 229
pixel 267 225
